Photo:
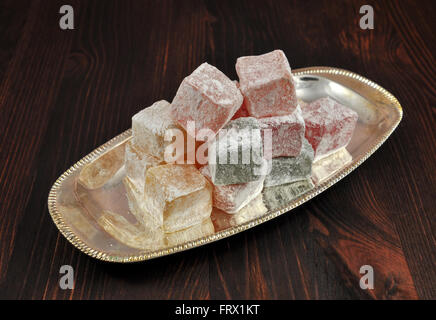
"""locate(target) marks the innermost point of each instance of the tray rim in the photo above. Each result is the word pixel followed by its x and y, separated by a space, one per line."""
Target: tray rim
pixel 75 240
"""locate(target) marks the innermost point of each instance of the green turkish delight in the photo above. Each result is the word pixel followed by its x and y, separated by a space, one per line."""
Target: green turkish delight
pixel 236 155
pixel 289 169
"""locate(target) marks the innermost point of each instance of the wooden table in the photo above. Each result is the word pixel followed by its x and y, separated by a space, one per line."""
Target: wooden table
pixel 64 92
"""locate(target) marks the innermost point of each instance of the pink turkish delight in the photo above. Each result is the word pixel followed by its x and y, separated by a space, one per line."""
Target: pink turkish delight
pixel 267 84
pixel 233 197
pixel 206 97
pixel 241 113
pixel 287 133
pixel 329 125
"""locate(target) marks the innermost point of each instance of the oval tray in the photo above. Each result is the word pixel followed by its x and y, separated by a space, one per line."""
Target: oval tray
pixel 98 221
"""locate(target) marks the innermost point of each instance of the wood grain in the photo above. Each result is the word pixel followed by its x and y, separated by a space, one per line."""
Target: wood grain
pixel 62 93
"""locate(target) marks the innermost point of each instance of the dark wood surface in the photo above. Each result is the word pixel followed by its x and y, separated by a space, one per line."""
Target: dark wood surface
pixel 63 93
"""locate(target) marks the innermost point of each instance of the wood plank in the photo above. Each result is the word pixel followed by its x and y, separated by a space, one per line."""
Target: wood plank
pixel 26 96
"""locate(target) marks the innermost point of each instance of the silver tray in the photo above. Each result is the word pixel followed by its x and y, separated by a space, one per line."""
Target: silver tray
pixel 98 221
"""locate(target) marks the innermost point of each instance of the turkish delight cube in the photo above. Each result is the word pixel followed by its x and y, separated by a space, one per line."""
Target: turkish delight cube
pixel 327 166
pixel 242 111
pixel 134 235
pixel 206 98
pixel 254 209
pixel 97 173
pixel 277 197
pixel 233 197
pixel 177 196
pixel 236 155
pixel 329 125
pixel 137 161
pixel 136 203
pixel 267 84
pixel 287 134
pixel 289 169
pixel 200 230
pixel 149 127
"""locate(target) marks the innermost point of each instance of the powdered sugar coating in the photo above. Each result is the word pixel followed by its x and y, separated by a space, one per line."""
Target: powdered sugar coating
pixel 267 84
pixel 242 111
pixel 136 163
pixel 149 127
pixel 290 169
pixel 279 196
pixel 233 197
pixel 329 125
pixel 207 97
pixel 329 165
pixel 287 133
pixel 236 155
pixel 177 180
pixel 178 196
pixel 197 231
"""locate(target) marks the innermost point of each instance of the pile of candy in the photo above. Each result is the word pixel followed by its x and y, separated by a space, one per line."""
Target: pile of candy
pixel 252 134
